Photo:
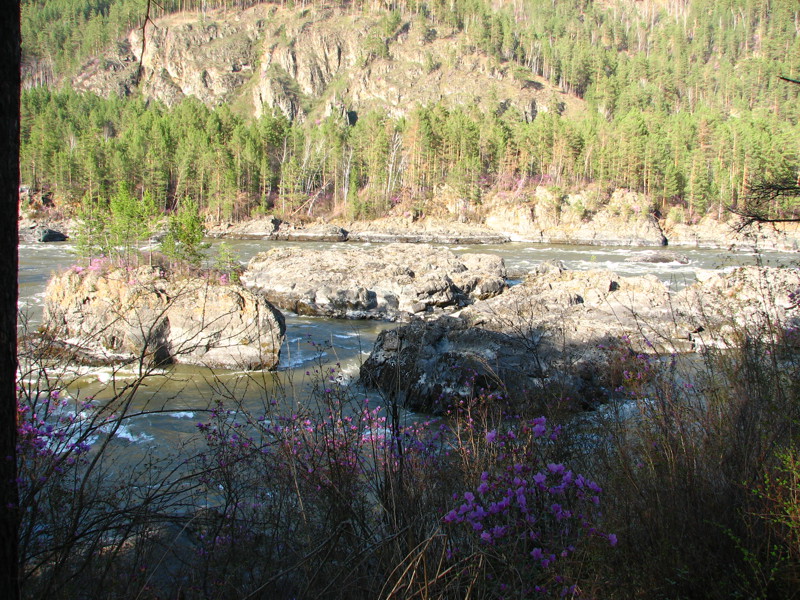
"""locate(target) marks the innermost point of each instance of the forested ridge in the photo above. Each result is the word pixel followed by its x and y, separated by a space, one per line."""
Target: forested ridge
pixel 682 102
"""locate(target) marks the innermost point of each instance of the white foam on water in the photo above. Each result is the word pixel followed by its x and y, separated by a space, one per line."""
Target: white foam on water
pixel 346 336
pixel 124 432
pixel 185 414
pixel 349 371
pixel 34 300
pixel 295 361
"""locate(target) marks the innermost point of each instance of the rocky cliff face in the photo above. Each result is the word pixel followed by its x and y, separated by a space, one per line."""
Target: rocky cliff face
pixel 185 55
pixel 313 62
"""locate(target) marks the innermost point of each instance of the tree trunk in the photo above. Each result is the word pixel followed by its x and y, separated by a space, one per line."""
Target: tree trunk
pixel 9 208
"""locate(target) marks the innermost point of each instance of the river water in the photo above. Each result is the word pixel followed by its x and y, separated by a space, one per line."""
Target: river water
pixel 319 343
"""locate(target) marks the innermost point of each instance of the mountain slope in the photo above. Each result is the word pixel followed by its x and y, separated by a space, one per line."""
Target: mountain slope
pixel 316 62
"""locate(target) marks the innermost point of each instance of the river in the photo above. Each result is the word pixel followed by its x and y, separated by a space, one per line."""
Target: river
pixel 316 342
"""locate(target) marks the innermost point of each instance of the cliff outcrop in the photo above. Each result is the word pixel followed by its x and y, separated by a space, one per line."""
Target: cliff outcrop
pixel 313 62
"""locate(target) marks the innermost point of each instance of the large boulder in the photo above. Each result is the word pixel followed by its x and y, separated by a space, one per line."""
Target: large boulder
pixel 539 338
pixel 389 282
pixel 429 366
pixel 50 235
pixel 112 315
pixel 548 336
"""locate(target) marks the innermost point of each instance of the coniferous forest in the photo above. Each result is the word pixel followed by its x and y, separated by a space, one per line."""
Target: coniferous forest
pixel 682 102
pixel 159 457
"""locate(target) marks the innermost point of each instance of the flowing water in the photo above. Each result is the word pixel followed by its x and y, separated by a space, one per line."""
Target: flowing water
pixel 181 393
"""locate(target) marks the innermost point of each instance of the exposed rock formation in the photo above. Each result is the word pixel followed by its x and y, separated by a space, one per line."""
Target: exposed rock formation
pixel 387 282
pixel 725 307
pixel 656 257
pixel 625 220
pixel 709 232
pixel 275 229
pixel 116 315
pixel 317 60
pixel 428 365
pixel 544 335
pixel 426 231
pixel 186 55
pixel 50 235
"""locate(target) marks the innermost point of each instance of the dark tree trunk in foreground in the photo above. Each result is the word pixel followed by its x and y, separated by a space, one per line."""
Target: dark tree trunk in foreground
pixel 9 208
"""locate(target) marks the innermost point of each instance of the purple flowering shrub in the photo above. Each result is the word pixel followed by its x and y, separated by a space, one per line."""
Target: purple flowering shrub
pixel 297 485
pixel 334 496
pixel 630 372
pixel 685 441
pixel 90 501
pixel 53 443
pixel 521 526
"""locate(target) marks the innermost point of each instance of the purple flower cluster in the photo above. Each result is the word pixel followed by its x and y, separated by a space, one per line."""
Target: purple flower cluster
pixel 526 507
pixel 52 439
pixel 632 371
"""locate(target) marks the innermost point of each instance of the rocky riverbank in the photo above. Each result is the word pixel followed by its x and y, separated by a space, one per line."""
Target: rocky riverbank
pixel 466 328
pixel 499 223
pixel 529 213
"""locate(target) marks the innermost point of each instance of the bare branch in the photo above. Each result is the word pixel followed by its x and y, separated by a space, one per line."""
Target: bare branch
pixel 147 19
pixel 775 200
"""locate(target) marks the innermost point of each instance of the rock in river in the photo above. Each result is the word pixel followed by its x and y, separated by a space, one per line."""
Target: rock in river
pixel 112 315
pixel 548 337
pixel 50 235
pixel 391 282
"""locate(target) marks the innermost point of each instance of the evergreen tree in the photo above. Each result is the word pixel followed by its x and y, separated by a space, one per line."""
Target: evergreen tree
pixel 185 232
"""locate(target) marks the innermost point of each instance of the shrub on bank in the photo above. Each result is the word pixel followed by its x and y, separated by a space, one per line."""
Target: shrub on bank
pixel 685 485
pixel 698 458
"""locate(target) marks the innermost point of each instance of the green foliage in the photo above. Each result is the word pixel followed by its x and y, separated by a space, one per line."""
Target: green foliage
pixel 185 233
pixel 375 46
pixel 780 497
pixel 682 104
pixel 115 228
pixel 227 262
pixel 391 22
pixel 131 222
pixel 431 64
pixel 90 235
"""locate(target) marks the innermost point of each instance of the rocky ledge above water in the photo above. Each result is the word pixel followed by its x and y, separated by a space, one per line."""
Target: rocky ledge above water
pixel 526 222
pixel 548 337
pixel 113 315
pixel 380 231
pixel 392 281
